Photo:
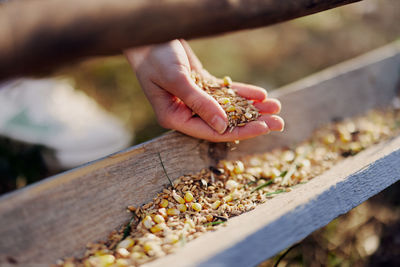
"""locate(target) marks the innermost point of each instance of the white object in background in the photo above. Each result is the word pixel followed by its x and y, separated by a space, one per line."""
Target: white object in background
pixel 52 113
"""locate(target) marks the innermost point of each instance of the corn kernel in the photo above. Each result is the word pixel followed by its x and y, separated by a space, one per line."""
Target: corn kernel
pixel 148 222
pixel 209 217
pixel 126 243
pixel 137 255
pixel 275 173
pixel 122 263
pixel 196 206
pixel 163 212
pixel 216 204
pixel 190 223
pixel 158 227
pixel 105 260
pixel 329 139
pixel 178 198
pixel 189 196
pixel 224 100
pixel 227 81
pixel 123 252
pixel 239 167
pixel 158 219
pixel 230 109
pixel 248 115
pixel 181 207
pixel 164 203
pixel 231 184
pixel 173 212
pixel 171 239
pixel 148 247
pixel 228 198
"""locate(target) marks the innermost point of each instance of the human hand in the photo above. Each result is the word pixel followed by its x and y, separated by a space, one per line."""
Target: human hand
pixel 164 72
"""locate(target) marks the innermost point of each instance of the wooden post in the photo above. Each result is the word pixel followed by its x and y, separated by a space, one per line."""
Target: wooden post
pixel 37 35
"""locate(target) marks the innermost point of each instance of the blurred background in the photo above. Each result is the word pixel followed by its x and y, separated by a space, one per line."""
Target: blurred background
pixel 269 57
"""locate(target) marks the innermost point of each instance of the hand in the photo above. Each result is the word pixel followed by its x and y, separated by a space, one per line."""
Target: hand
pixel 164 72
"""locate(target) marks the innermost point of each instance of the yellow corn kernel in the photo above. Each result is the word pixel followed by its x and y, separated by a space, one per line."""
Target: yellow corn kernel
pixel 329 139
pixel 227 81
pixel 228 198
pixel 173 212
pixel 122 263
pixel 230 109
pixel 163 212
pixel 216 204
pixel 196 206
pixel 228 166
pixel 189 196
pixel 224 100
pixel 164 203
pixel 157 228
pixel 209 217
pixel 126 243
pixel 190 223
pixel 148 222
pixel 275 173
pixel 123 252
pixel 106 260
pixel 181 207
pixel 178 198
pixel 148 247
pixel 158 219
pixel 240 206
pixel 239 167
pixel 171 239
pixel 137 255
pixel 345 136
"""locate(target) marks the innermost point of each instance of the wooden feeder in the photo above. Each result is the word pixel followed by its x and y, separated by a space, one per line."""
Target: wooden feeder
pixel 57 217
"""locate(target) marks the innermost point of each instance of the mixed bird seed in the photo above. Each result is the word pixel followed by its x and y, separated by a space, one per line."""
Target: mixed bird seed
pixel 204 201
pixel 238 109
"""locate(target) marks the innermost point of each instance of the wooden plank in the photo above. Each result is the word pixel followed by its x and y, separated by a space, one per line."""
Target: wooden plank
pixel 290 217
pixel 57 217
pixel 38 35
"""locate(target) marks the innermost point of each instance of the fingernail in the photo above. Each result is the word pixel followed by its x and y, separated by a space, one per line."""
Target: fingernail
pixel 219 124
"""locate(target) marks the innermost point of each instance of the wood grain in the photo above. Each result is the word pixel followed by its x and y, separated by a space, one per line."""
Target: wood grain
pixel 37 35
pixel 57 217
pixel 255 236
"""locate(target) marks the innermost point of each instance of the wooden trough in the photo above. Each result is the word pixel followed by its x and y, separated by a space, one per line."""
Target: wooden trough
pixel 55 218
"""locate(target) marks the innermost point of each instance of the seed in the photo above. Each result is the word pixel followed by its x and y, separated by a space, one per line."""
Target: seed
pixel 164 203
pixel 173 212
pixel 148 247
pixel 196 206
pixel 224 100
pixel 123 252
pixel 228 198
pixel 248 115
pixel 171 239
pixel 189 196
pixel 163 212
pixel 126 243
pixel 158 227
pixel 227 81
pixel 209 217
pixel 231 184
pixel 148 222
pixel 216 204
pixel 158 219
pixel 181 207
pixel 178 198
pixel 122 262
pixel 131 208
pixel 239 167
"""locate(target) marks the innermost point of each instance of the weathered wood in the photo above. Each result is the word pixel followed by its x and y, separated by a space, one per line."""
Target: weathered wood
pixel 37 35
pixel 255 236
pixel 57 217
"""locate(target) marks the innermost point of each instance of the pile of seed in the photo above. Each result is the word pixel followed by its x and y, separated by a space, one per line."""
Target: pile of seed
pixel 239 110
pixel 206 200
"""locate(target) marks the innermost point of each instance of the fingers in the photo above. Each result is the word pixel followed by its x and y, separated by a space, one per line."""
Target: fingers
pixel 268 106
pixel 197 128
pixel 250 91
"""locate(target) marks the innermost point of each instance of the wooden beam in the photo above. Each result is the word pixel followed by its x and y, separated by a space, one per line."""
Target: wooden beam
pixel 56 217
pixel 37 35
